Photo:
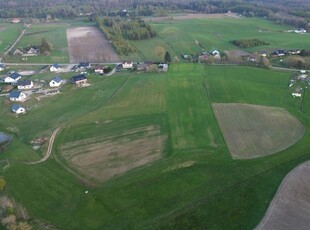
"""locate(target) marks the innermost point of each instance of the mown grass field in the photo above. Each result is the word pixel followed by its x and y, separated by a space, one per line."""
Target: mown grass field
pixel 181 36
pixel 194 184
pixel 8 34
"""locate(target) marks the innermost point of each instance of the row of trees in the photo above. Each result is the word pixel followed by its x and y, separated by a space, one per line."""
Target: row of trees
pixel 247 43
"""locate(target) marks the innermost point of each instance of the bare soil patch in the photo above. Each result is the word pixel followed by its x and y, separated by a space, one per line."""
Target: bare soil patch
pixel 290 208
pixel 107 156
pixel 252 131
pixel 89 44
pixel 191 16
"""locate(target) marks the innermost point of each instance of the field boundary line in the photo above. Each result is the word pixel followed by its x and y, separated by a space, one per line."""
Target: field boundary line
pixel 49 149
pixel 17 40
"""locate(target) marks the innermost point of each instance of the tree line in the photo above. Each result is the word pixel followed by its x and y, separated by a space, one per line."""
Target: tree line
pixel 247 43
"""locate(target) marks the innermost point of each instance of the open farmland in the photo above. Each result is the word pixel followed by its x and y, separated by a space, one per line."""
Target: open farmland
pixel 103 157
pixel 55 33
pixel 194 183
pixel 8 34
pixel 290 208
pixel 181 36
pixel 254 131
pixel 89 44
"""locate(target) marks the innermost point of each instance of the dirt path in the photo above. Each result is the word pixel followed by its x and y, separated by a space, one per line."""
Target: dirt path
pixel 290 208
pixel 49 149
pixel 17 40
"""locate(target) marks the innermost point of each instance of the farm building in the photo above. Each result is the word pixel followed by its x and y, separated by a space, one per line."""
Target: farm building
pixel 216 54
pixel 25 84
pixel 54 68
pixel 17 52
pixel 79 79
pixel 127 65
pixel 17 96
pixel 2 67
pixel 55 82
pixel 12 78
pixel 31 52
pixel 18 109
pixel 15 20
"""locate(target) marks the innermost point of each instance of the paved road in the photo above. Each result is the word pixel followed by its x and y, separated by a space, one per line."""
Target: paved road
pixel 49 149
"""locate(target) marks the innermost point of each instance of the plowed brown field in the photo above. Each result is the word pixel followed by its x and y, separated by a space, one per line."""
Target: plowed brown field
pixel 89 44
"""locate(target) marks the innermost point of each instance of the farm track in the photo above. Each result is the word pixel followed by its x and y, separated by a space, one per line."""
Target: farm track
pixel 49 149
pixel 17 40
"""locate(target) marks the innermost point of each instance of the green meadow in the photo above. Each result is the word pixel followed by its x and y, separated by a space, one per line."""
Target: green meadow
pixel 195 183
pixel 8 34
pixel 55 33
pixel 183 36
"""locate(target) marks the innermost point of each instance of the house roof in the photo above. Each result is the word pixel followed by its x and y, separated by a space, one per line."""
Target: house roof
pixel 78 78
pixel 15 76
pixel 57 79
pixel 56 66
pixel 15 94
pixel 15 107
pixel 24 83
pixel 2 66
pixel 83 64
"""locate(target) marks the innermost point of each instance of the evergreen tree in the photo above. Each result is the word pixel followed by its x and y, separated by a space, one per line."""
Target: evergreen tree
pixel 167 57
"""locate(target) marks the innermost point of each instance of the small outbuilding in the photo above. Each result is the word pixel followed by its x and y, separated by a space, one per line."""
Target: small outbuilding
pixel 18 109
pixel 2 67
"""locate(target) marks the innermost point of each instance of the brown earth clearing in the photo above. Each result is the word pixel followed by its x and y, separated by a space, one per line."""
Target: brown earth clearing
pixel 290 208
pixel 191 16
pixel 252 131
pixel 89 44
pixel 106 156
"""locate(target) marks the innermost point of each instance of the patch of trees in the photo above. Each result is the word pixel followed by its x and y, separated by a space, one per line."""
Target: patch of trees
pixel 247 43
pixel 45 47
pixel 113 33
pixel 133 29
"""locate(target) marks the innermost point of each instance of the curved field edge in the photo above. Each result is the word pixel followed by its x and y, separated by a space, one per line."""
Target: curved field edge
pixel 252 131
pixel 290 207
pixel 199 186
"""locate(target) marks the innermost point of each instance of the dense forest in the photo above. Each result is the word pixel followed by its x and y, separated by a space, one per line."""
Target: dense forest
pixel 295 13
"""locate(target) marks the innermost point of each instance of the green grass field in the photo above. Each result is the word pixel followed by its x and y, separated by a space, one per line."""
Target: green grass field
pixel 195 183
pixel 181 36
pixel 8 34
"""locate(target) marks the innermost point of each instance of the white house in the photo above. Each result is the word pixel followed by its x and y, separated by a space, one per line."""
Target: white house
pixel 296 94
pixel 54 68
pixel 17 96
pixel 18 109
pixel 55 82
pixel 216 54
pixel 12 78
pixel 127 65
pixel 300 31
pixel 31 52
pixel 26 84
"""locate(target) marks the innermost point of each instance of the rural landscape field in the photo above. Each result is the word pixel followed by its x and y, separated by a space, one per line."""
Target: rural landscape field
pixel 199 145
